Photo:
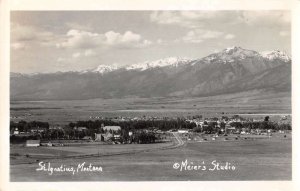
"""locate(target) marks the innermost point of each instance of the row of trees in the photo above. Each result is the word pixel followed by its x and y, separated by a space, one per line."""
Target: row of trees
pixel 163 125
pixel 22 139
pixel 68 131
pixel 212 127
pixel 26 126
pixel 144 137
pixel 262 125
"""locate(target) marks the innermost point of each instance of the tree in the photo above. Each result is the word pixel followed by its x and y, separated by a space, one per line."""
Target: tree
pixel 266 118
pixel 197 129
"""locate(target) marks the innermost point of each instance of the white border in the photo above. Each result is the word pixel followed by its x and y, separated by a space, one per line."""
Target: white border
pixel 148 4
pixel 7 5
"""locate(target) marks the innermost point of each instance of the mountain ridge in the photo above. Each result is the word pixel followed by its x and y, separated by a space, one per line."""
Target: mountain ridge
pixel 176 61
pixel 231 70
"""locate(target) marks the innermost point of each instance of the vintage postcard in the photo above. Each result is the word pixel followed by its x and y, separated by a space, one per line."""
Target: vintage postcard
pixel 156 95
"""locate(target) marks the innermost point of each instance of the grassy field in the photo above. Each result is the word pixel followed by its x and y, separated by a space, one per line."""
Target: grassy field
pixel 260 159
pixel 27 155
pixel 69 111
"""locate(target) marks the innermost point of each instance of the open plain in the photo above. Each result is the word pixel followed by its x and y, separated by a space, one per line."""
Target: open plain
pixel 254 103
pixel 252 159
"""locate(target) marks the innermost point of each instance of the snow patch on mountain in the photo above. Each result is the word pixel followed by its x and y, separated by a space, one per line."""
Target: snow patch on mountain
pixel 105 68
pixel 231 49
pixel 226 56
pixel 101 69
pixel 171 61
pixel 229 55
pixel 276 54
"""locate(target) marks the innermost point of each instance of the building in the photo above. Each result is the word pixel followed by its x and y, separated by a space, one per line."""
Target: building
pixel 33 143
pixel 80 128
pixel 113 128
pixel 49 144
pixel 99 137
pixel 55 128
pixel 117 137
pixel 16 131
pixel 103 136
pixel 183 130
pixel 229 129
pixel 38 129
pixel 87 138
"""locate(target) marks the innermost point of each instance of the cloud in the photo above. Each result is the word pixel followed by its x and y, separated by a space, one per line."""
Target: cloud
pixel 188 19
pixel 80 39
pixel 28 34
pixel 199 19
pixel 22 33
pixel 264 18
pixel 229 36
pixel 284 33
pixel 76 55
pixel 77 26
pixel 60 59
pixel 89 53
pixel 85 53
pixel 199 35
pixel 128 39
pixel 87 40
pixel 162 42
pixel 62 62
pixel 18 46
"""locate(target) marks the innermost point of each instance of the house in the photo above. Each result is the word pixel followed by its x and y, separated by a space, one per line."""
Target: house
pixel 108 136
pixel 253 131
pixel 24 134
pixel 103 136
pixel 38 129
pixel 33 143
pixel 117 137
pixel 87 138
pixel 113 128
pixel 229 129
pixel 55 128
pixel 80 128
pixel 270 131
pixel 183 130
pixel 16 131
pixel 99 137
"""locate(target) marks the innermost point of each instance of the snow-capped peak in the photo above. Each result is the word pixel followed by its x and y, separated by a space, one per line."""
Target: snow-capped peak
pixel 230 54
pixel 237 51
pixel 101 69
pixel 232 49
pixel 105 68
pixel 171 61
pixel 276 54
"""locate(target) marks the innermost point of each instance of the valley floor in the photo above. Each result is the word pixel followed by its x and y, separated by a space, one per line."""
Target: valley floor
pixel 63 112
pixel 260 159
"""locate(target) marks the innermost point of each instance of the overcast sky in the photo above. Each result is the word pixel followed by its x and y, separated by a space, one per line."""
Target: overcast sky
pixel 50 41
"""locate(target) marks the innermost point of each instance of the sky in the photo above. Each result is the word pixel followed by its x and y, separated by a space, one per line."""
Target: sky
pixel 51 41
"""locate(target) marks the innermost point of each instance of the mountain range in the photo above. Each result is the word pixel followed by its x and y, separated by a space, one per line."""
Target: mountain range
pixel 231 70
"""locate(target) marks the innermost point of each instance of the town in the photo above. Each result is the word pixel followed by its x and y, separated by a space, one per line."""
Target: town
pixel 142 130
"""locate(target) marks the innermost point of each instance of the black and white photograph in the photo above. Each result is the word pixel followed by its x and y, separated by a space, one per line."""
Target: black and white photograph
pixel 162 95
